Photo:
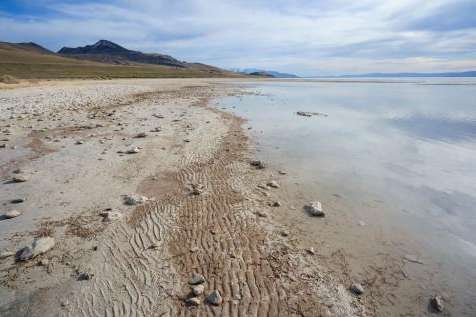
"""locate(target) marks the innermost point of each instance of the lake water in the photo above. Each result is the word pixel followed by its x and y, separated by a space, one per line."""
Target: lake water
pixel 397 158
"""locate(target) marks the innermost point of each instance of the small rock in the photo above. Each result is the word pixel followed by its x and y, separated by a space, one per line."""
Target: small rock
pixel 24 254
pixel 198 289
pixel 261 214
pixel 135 199
pixel 84 276
pixel 187 140
pixel 273 184
pixel 258 164
pixel 282 172
pixel 315 209
pixel 12 214
pixel 197 279
pixel 276 204
pixel 214 298
pixel 42 245
pixel 79 142
pixel 311 251
pixel 153 246
pixel 141 135
pixel 134 150
pixel 436 303
pixel 284 233
pixel 158 129
pixel 357 289
pixel 19 179
pixel 110 216
pixel 192 301
pixel 17 201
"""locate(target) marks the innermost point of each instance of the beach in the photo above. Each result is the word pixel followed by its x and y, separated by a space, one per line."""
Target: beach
pixel 148 192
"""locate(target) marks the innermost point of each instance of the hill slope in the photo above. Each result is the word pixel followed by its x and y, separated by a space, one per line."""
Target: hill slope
pixel 29 60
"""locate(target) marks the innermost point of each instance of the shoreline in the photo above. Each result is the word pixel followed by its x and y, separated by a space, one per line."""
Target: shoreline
pixel 207 212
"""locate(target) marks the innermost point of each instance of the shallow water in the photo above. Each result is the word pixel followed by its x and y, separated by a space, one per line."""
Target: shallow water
pixel 405 148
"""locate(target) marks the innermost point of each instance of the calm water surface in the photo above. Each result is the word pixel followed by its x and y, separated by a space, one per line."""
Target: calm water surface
pixel 409 145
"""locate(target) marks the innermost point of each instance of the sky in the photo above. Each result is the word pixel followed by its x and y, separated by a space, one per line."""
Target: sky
pixel 305 37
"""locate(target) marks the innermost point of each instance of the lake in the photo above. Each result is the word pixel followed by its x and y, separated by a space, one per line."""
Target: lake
pixel 394 163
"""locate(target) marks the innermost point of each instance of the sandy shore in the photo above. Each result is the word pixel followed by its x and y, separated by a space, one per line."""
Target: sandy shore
pixel 207 212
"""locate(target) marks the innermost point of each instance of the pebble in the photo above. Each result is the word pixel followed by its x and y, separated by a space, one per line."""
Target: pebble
pixel 110 216
pixel 84 276
pixel 17 201
pixel 196 279
pixel 141 135
pixel 273 184
pixel 261 214
pixel 282 172
pixel 198 289
pixel 192 301
pixel 19 179
pixel 133 150
pixel 79 142
pixel 12 214
pixel 315 209
pixel 436 303
pixel 311 251
pixel 276 204
pixel 42 245
pixel 135 199
pixel 258 164
pixel 214 298
pixel 357 289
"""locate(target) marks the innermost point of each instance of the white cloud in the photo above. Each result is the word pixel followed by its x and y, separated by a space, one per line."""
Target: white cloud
pixel 307 37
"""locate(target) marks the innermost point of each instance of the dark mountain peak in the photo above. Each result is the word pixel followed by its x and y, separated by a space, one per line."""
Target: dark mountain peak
pixel 105 44
pixel 109 52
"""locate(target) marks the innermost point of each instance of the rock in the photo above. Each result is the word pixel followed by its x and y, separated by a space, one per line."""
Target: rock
pixel 24 254
pixel 17 201
pixel 197 189
pixel 187 140
pixel 412 258
pixel 19 179
pixel 12 214
pixel 79 142
pixel 135 199
pixel 134 150
pixel 214 298
pixel 357 289
pixel 196 279
pixel 315 209
pixel 276 204
pixel 261 214
pixel 198 289
pixel 141 135
pixel 284 233
pixel 84 276
pixel 304 114
pixel 158 129
pixel 311 251
pixel 273 184
pixel 282 172
pixel 436 303
pixel 42 245
pixel 192 301
pixel 110 216
pixel 258 164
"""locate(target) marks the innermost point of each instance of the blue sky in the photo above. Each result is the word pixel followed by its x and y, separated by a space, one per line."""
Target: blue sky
pixel 322 37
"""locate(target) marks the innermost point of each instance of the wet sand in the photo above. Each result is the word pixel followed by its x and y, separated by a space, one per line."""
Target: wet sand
pixel 209 211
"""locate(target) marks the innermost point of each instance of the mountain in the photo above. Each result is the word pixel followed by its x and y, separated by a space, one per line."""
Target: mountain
pixel 32 61
pixel 109 52
pixel 389 75
pixel 273 73
pixel 261 74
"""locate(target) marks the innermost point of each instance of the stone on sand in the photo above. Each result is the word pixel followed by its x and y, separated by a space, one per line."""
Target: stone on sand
pixel 134 150
pixel 12 214
pixel 214 298
pixel 437 303
pixel 357 289
pixel 273 184
pixel 19 179
pixel 38 246
pixel 110 216
pixel 315 209
pixel 198 289
pixel 192 301
pixel 196 279
pixel 258 164
pixel 135 199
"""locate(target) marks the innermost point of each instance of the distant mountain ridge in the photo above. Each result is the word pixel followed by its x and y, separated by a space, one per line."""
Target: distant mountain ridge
pixel 109 52
pixel 266 73
pixel 470 73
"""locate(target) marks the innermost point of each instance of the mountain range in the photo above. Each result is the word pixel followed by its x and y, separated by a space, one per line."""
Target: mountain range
pixel 103 59
pixel 265 73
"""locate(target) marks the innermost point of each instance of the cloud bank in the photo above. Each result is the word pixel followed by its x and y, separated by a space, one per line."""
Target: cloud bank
pixel 321 37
